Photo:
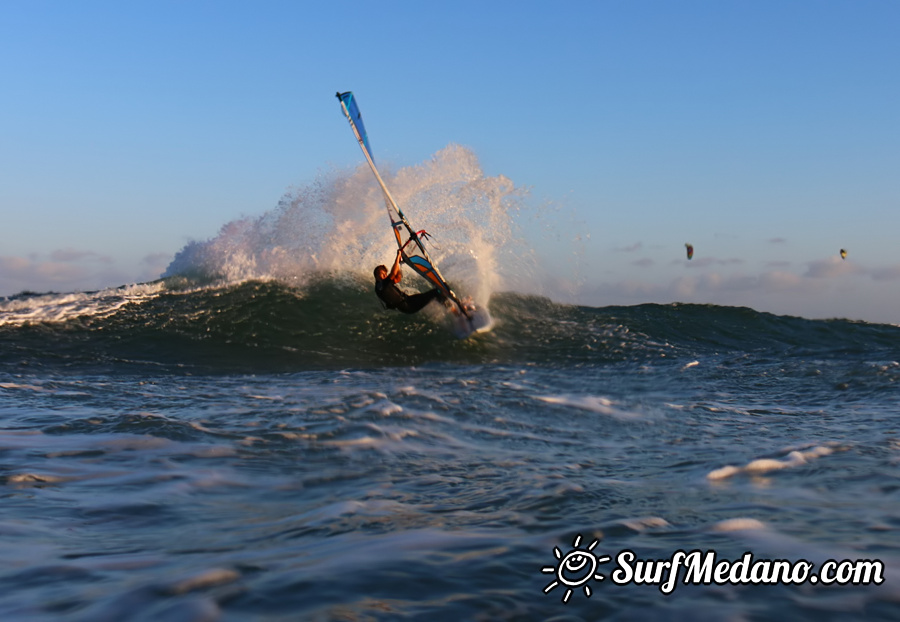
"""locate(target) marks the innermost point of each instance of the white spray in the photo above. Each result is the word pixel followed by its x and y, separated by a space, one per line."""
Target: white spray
pixel 338 225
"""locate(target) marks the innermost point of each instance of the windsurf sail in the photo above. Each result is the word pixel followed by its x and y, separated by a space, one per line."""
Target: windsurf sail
pixel 409 240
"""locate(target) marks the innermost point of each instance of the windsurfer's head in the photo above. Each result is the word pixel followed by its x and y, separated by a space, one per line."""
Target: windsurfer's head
pixel 380 273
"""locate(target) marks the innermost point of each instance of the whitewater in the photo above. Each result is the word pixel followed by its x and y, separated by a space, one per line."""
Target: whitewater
pixel 253 437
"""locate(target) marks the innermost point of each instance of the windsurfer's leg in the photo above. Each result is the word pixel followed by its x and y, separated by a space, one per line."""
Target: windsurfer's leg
pixel 414 303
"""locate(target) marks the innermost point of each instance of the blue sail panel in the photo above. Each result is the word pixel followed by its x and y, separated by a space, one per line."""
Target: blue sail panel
pixel 356 117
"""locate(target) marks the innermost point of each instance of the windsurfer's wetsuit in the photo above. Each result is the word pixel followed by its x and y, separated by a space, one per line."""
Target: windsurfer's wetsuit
pixel 395 298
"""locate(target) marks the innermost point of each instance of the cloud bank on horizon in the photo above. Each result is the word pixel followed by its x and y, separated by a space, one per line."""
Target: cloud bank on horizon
pixel 68 270
pixel 823 288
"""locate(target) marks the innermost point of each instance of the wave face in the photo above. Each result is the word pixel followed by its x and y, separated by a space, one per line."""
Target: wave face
pixel 337 323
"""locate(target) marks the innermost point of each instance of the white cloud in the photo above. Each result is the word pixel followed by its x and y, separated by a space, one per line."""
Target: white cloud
pixel 778 280
pixel 61 270
pixel 806 294
pixel 18 273
pixel 831 267
pixel 13 264
pixel 712 288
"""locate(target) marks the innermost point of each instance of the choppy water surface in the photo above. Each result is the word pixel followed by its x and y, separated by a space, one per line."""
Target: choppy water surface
pixel 235 453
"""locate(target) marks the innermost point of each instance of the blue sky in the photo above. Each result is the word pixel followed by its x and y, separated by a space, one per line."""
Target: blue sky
pixel 766 133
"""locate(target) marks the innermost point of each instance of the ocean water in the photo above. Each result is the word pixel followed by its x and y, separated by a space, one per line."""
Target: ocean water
pixel 253 438
pixel 238 453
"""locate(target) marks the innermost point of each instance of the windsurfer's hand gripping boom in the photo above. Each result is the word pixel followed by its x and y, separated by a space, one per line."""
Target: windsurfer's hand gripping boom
pixel 395 275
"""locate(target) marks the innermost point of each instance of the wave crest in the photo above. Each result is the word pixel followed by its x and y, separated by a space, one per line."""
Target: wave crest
pixel 338 224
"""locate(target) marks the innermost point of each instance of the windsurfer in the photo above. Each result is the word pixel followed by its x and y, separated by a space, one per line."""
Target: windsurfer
pixel 395 298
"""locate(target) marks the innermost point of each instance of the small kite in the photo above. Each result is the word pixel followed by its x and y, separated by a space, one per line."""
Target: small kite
pixel 843 254
pixel 690 250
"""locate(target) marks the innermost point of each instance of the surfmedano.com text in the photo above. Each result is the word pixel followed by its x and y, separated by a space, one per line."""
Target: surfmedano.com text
pixel 703 568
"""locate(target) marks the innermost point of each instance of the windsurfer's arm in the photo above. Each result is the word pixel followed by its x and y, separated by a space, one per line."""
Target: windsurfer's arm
pixel 395 275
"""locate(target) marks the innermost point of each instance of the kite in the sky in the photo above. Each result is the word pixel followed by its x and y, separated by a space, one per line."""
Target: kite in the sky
pixel 843 254
pixel 690 250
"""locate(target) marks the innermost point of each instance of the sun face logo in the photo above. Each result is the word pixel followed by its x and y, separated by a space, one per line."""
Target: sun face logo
pixel 575 568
